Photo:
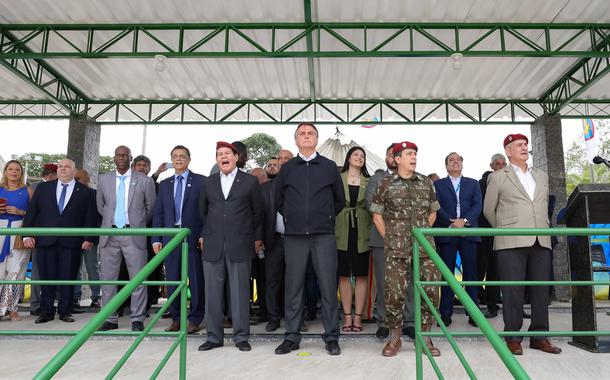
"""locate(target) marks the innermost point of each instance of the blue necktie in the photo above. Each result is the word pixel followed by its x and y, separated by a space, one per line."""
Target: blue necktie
pixel 62 198
pixel 119 210
pixel 178 200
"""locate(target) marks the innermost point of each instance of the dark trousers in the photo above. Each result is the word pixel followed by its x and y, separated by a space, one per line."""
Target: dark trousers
pixel 173 271
pixel 57 263
pixel 312 290
pixel 237 275
pixel 488 270
pixel 519 264
pixel 274 276
pixel 468 253
pixel 323 252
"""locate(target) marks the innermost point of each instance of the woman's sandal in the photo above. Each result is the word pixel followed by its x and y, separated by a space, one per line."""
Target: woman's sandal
pixel 347 327
pixel 355 327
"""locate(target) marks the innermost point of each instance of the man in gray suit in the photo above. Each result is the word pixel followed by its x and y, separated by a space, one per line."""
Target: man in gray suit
pixel 231 207
pixel 125 199
pixel 517 197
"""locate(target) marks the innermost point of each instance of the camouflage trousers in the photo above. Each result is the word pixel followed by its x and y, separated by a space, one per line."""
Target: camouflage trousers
pixel 395 290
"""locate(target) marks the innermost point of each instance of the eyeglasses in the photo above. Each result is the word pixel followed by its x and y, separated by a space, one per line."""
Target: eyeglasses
pixel 179 157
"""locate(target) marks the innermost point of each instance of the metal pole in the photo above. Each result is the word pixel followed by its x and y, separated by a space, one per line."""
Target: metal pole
pixel 183 300
pixel 419 371
pixel 144 138
pixel 591 173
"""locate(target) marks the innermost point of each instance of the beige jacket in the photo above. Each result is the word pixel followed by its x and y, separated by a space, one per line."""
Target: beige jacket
pixel 507 205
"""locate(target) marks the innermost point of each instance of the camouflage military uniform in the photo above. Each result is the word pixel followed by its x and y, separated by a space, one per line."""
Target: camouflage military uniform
pixel 404 204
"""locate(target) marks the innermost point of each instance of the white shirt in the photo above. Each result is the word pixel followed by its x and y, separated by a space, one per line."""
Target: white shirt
pixel 308 158
pixel 127 183
pixel 226 181
pixel 69 191
pixel 526 179
pixel 455 181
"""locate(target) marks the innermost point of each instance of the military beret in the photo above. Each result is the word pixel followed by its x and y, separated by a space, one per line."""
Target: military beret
pixel 224 144
pixel 514 137
pixel 399 147
pixel 50 167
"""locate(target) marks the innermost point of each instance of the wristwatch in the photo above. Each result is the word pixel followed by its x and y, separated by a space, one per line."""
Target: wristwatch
pixel 466 223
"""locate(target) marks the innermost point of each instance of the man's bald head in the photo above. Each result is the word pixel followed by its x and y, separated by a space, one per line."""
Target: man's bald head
pixel 260 174
pixel 283 156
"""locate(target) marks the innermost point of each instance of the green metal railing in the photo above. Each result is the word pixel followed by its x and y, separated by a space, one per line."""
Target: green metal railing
pixel 80 337
pixel 494 337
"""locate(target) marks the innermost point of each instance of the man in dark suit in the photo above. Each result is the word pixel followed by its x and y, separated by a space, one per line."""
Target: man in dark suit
pixel 231 208
pixel 273 227
pixel 461 204
pixel 178 206
pixel 486 256
pixel 64 202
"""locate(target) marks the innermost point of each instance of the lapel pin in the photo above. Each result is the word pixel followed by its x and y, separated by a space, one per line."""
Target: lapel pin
pixel 188 185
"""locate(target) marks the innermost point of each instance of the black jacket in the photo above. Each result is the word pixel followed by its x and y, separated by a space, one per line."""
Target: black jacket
pixel 309 195
pixel 230 226
pixel 80 211
pixel 268 192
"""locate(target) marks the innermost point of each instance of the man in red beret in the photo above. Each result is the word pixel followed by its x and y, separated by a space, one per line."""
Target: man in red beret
pixel 517 197
pixel 49 173
pixel 404 200
pixel 231 208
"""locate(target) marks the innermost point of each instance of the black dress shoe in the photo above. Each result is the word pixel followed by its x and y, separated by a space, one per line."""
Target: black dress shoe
pixel 491 313
pixel 243 346
pixel 333 348
pixel 137 326
pixel 409 331
pixel 382 333
pixel 35 312
pixel 166 315
pixel 207 346
pixel 272 326
pixel 286 347
pixel 108 326
pixel 446 320
pixel 471 322
pixel 66 318
pixel 44 319
pixel 95 304
pixel 76 309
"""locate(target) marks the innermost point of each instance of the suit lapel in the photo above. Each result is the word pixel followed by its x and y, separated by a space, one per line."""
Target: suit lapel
pixel 512 176
pixel 171 194
pixel 538 179
pixel 187 191
pixel 236 183
pixel 133 183
pixel 449 185
pixel 75 193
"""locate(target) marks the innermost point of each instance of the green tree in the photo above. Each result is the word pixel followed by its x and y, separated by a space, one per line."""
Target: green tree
pixel 261 147
pixel 35 161
pixel 577 167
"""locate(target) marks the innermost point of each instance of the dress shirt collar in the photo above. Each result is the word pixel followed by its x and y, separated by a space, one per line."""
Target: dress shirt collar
pixel 308 158
pixel 232 174
pixel 184 175
pixel 127 173
pixel 519 170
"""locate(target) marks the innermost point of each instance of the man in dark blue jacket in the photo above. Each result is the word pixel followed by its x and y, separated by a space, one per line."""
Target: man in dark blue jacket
pixel 178 206
pixel 461 204
pixel 63 203
pixel 309 194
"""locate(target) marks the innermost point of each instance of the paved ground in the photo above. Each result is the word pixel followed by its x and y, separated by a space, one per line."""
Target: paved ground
pixel 21 357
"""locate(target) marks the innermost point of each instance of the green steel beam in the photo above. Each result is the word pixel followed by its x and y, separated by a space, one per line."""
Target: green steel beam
pixel 580 77
pixel 309 41
pixel 40 75
pixel 321 111
pixel 273 40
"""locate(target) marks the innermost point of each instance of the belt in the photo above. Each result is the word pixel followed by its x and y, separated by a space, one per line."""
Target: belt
pixel 126 226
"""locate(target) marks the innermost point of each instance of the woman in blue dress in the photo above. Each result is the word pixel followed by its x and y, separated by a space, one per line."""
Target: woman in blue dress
pixel 14 200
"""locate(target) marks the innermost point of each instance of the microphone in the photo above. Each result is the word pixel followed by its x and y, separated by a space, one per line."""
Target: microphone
pixel 598 160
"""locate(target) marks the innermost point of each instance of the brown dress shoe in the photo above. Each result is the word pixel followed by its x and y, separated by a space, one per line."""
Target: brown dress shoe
pixel 514 347
pixel 175 326
pixel 192 328
pixel 545 346
pixel 393 346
